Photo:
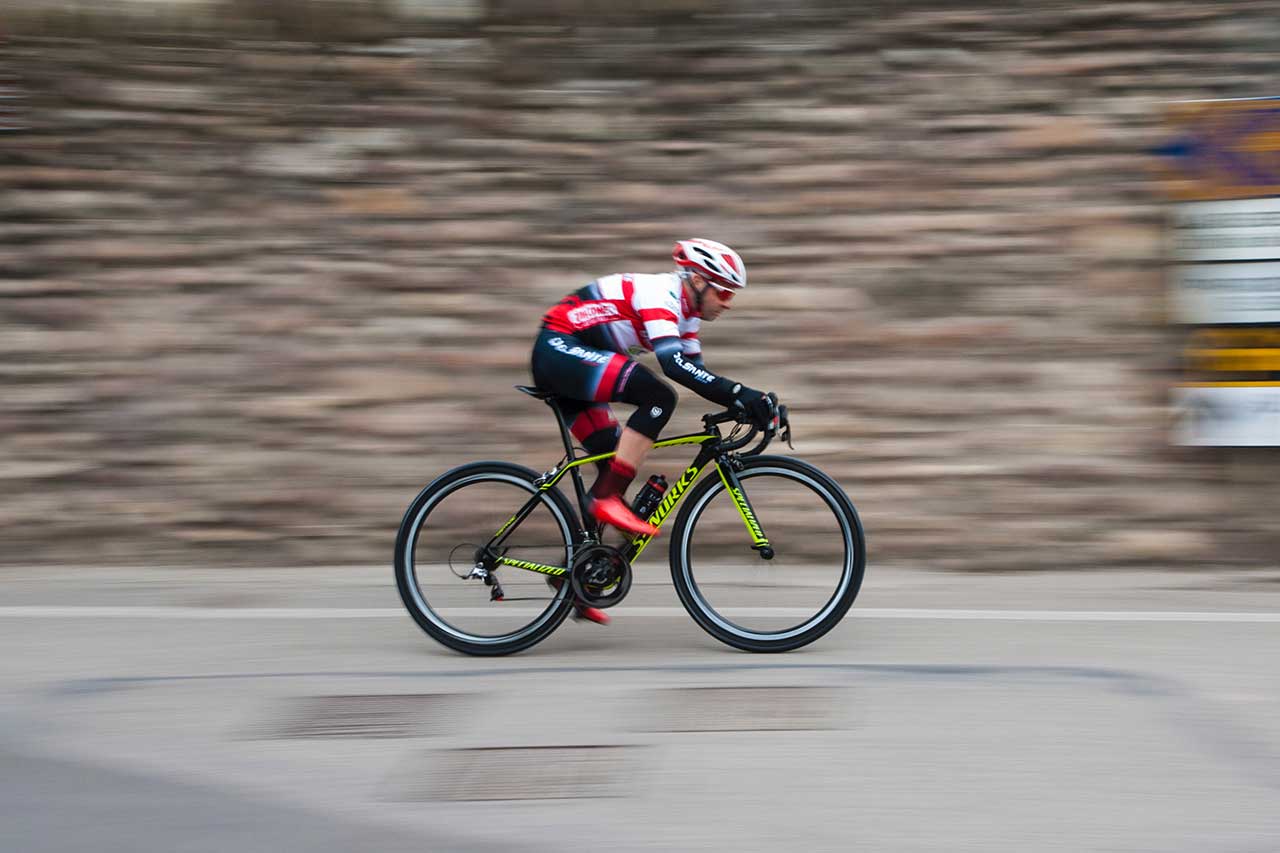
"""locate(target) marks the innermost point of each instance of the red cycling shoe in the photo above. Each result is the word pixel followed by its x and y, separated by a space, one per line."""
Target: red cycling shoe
pixel 583 613
pixel 612 510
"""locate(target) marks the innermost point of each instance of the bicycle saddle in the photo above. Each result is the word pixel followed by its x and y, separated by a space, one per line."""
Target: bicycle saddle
pixel 537 393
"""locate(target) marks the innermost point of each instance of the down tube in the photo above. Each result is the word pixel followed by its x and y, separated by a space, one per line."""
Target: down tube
pixel 670 501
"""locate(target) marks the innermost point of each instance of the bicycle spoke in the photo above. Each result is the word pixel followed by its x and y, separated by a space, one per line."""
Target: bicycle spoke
pixel 789 588
pixel 452 587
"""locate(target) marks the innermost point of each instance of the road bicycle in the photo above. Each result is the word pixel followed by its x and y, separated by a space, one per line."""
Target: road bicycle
pixel 767 554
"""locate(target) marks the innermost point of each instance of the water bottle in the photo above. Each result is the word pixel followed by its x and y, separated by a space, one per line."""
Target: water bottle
pixel 650 495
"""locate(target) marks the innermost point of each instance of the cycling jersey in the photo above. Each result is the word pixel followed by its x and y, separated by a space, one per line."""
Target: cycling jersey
pixel 631 314
pixel 626 313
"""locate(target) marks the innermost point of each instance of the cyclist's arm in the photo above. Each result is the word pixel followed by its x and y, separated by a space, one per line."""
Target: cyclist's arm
pixel 691 348
pixel 694 358
pixel 690 372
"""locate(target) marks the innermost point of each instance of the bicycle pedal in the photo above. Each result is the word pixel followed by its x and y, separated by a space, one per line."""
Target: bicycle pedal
pixel 496 593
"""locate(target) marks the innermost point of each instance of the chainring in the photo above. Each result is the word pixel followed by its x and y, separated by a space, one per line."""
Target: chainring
pixel 601 576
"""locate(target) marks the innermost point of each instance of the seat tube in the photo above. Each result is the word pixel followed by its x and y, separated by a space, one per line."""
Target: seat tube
pixel 567 438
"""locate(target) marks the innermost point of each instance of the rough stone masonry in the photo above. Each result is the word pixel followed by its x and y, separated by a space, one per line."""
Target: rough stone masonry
pixel 266 269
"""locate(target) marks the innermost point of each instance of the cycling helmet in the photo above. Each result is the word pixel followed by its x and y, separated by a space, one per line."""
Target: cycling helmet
pixel 716 262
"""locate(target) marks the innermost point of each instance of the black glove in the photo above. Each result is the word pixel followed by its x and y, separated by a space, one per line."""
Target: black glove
pixel 758 406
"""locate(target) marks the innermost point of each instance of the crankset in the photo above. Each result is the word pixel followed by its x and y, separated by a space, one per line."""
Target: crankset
pixel 600 576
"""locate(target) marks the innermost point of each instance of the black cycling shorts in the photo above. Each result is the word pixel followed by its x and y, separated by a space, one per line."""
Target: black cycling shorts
pixel 588 379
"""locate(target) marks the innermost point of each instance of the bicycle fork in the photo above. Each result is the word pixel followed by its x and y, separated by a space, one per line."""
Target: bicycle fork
pixel 759 541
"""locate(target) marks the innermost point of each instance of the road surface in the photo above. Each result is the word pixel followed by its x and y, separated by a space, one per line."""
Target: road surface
pixel 163 709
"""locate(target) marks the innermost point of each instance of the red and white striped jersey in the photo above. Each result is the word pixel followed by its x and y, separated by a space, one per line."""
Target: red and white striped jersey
pixel 626 313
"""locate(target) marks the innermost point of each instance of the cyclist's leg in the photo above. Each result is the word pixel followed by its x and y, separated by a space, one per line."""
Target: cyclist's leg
pixel 575 371
pixel 585 379
pixel 594 426
pixel 654 401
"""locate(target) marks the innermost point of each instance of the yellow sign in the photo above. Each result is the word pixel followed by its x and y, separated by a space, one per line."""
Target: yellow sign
pixel 1234 360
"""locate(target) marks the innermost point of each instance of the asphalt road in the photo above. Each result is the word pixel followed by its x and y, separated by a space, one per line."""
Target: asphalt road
pixel 211 710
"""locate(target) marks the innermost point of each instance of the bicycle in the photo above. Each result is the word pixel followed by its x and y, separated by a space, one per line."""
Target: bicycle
pixel 797 530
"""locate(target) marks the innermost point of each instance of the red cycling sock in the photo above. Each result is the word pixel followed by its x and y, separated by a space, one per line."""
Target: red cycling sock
pixel 613 481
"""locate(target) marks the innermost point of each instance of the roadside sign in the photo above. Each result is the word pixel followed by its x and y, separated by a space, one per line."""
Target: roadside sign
pixel 1222 169
pixel 1228 416
pixel 1227 294
pixel 1238 230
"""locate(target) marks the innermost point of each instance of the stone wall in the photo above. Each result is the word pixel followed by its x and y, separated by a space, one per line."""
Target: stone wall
pixel 263 274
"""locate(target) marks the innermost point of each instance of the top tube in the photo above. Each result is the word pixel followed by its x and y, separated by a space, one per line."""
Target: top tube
pixel 692 438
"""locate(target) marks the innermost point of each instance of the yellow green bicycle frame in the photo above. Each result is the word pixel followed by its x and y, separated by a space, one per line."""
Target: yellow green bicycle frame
pixel 675 491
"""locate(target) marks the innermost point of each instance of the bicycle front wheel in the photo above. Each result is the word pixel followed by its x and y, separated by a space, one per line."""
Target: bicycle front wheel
pixel 441 537
pixel 778 604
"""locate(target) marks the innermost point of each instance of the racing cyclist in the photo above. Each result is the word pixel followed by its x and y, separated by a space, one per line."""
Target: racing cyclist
pixel 584 352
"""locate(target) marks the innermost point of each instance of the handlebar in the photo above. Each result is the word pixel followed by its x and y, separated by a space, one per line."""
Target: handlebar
pixel 780 427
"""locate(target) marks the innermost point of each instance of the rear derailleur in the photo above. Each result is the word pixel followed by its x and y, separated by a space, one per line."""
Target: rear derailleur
pixel 486 562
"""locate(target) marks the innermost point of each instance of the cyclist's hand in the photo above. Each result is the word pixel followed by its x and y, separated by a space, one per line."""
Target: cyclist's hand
pixel 759 407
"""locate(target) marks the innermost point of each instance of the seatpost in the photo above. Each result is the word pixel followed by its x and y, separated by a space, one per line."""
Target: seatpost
pixel 567 438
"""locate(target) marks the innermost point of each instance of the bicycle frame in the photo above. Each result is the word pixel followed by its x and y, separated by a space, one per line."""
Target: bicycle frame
pixel 709 451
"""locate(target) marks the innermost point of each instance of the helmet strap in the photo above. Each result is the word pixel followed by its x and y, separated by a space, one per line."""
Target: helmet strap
pixel 698 295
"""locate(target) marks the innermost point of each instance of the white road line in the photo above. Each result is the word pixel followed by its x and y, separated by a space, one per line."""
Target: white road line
pixel 1069 615
pixel 281 613
pixel 164 612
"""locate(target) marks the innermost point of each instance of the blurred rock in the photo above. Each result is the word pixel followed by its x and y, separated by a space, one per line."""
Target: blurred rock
pixel 267 269
pixel 1057 134
pixel 1159 546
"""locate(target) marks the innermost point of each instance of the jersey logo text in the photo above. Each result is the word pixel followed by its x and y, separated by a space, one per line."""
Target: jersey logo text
pixel 591 356
pixel 592 313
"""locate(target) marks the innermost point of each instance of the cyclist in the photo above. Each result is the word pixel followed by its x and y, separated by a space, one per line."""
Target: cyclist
pixel 584 354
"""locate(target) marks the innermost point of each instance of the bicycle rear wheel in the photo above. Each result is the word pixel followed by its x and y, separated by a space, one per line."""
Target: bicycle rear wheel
pixel 445 527
pixel 778 604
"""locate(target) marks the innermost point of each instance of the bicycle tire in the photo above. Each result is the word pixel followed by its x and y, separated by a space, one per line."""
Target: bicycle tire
pixel 416 520
pixel 757 472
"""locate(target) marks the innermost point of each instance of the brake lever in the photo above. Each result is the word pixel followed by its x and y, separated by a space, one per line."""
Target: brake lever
pixel 785 424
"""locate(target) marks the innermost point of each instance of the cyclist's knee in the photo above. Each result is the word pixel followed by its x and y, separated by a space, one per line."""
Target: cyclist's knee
pixel 654 401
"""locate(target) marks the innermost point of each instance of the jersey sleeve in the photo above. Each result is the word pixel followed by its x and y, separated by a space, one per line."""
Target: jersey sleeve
pixel 690 372
pixel 689 343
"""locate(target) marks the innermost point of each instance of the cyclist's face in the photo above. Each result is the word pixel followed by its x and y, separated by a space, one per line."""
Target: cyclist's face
pixel 715 302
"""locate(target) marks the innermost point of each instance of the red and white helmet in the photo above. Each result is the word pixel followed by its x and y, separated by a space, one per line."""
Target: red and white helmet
pixel 716 262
